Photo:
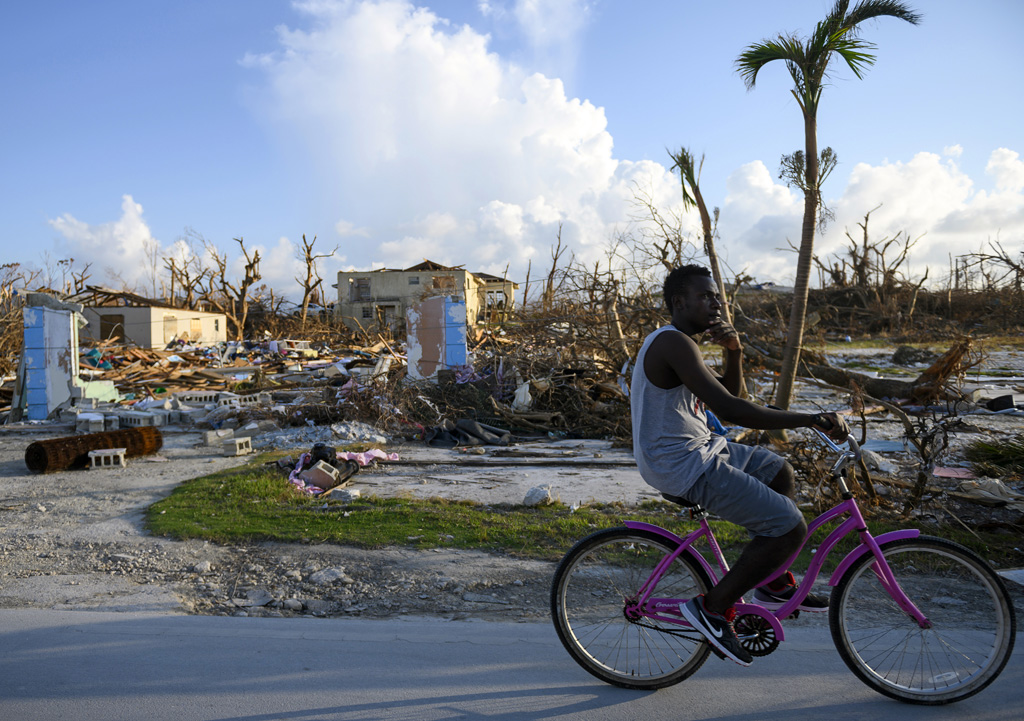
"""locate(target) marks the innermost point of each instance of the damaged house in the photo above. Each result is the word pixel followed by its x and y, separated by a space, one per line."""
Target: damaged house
pixel 383 297
pixel 146 323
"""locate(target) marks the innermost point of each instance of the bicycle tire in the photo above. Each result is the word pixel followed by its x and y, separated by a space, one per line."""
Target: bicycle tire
pixel 591 588
pixel 972 617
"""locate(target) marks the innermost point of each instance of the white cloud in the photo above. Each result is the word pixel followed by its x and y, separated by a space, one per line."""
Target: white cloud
pixel 933 200
pixel 553 29
pixel 121 248
pixel 503 218
pixel 1007 168
pixel 759 217
pixel 345 229
pixel 440 146
pixel 430 145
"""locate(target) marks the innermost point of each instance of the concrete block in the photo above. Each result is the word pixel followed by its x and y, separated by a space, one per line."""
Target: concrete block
pixel 89 423
pixel 322 475
pixel 188 416
pixel 111 422
pixel 343 494
pixel 238 447
pixel 135 419
pixel 248 400
pixel 219 437
pixel 107 458
pixel 229 399
pixel 161 417
pixel 200 397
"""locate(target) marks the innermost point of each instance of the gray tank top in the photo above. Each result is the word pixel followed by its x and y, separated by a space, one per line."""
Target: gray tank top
pixel 672 443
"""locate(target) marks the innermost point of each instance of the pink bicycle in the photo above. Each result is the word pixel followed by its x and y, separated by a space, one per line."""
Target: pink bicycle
pixel 917 618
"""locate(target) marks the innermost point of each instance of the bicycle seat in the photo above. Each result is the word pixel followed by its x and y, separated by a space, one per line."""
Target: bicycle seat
pixel 680 500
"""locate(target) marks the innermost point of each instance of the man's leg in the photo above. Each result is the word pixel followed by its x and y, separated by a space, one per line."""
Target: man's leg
pixel 762 556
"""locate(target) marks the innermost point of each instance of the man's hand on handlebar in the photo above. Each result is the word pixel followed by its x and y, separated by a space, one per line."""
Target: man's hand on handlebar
pixel 832 425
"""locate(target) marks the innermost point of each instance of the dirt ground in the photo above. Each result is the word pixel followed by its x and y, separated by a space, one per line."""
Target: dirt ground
pixel 74 539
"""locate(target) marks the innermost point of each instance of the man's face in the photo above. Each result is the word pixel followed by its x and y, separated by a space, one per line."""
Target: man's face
pixel 699 305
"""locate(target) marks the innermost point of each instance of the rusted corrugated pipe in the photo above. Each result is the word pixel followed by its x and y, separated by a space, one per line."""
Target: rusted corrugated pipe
pixel 61 454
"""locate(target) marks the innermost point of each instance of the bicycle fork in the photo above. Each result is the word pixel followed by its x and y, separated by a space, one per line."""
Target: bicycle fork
pixel 872 545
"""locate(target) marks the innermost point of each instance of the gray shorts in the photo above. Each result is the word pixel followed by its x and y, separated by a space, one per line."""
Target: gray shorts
pixel 735 487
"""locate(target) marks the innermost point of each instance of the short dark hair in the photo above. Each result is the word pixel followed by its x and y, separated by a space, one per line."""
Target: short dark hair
pixel 678 278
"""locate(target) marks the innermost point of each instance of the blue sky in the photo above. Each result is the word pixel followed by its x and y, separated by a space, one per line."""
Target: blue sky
pixel 468 132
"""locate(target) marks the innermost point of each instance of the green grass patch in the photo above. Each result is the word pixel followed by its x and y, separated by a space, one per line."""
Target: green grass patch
pixel 256 503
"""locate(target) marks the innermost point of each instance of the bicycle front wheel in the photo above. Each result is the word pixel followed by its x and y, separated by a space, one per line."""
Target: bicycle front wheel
pixel 593 588
pixel 971 618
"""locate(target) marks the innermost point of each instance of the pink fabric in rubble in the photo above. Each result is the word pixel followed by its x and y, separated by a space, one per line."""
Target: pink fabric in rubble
pixel 293 477
pixel 367 457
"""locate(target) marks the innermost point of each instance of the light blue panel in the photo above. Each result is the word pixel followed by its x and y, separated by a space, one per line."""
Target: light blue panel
pixel 35 337
pixel 456 355
pixel 455 352
pixel 35 378
pixel 35 359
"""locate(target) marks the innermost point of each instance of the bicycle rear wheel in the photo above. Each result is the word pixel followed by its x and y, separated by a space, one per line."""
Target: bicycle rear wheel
pixel 592 589
pixel 971 614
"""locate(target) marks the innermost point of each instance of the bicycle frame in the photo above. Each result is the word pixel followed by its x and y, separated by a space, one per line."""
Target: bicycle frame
pixel 668 609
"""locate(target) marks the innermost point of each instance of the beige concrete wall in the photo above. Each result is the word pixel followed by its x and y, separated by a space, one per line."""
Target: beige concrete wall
pixel 149 327
pixel 397 290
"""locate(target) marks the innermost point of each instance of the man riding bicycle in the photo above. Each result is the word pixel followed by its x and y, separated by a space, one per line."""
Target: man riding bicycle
pixel 677 453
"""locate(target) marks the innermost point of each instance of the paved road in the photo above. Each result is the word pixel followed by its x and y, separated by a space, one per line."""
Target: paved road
pixel 92 666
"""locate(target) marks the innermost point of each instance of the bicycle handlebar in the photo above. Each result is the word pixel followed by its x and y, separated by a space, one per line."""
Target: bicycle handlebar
pixel 851 442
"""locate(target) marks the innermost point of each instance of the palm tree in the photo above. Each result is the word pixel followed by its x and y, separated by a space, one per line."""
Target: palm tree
pixel 808 63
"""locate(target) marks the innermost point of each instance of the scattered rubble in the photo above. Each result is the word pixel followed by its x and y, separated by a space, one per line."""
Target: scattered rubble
pixel 545 383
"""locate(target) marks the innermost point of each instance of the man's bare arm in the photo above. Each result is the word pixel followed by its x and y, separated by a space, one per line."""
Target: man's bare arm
pixel 725 335
pixel 676 355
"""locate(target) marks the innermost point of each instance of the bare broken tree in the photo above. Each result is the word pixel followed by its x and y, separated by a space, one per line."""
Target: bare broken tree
pixel 1000 270
pixel 14 278
pixel 187 274
pixel 657 235
pixel 547 298
pixel 229 298
pixel 312 281
pixel 873 270
pixel 151 256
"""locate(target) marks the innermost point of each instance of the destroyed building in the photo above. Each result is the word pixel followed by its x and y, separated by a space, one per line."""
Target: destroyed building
pixel 382 297
pixel 146 323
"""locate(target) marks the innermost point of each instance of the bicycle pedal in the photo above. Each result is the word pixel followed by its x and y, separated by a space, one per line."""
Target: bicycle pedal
pixel 715 651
